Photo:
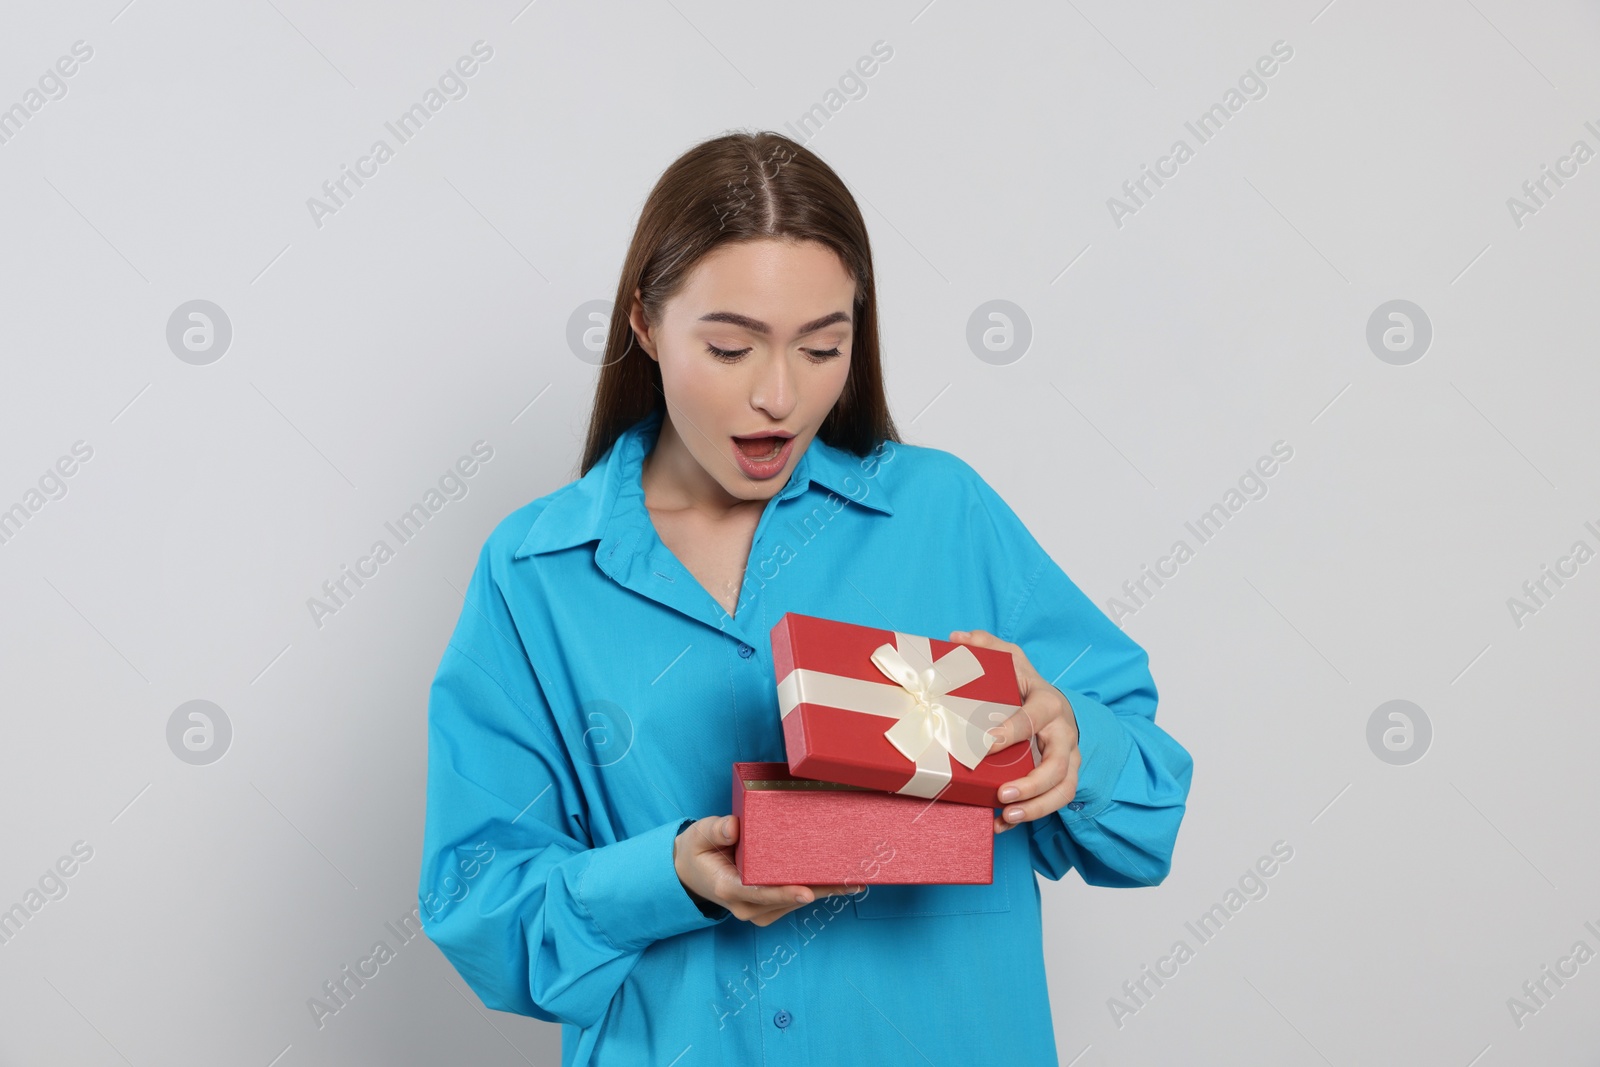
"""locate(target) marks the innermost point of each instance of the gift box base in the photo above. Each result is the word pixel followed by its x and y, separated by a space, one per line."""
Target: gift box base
pixel 794 831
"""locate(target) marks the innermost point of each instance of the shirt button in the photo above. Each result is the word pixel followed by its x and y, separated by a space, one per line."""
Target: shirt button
pixel 782 1019
pixel 1075 805
pixel 745 651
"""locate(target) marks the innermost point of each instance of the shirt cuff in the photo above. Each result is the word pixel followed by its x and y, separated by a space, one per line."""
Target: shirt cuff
pixel 632 892
pixel 1103 744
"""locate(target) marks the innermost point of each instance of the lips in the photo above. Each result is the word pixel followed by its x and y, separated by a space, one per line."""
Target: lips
pixel 763 456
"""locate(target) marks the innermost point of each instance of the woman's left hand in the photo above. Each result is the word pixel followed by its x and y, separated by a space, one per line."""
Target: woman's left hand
pixel 1047 714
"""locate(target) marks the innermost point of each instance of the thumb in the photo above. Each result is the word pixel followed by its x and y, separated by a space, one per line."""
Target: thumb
pixel 728 829
pixel 981 638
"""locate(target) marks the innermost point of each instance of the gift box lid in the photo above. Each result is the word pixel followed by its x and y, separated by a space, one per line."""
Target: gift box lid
pixel 849 705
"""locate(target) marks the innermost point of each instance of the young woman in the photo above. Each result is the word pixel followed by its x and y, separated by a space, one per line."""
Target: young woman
pixel 612 662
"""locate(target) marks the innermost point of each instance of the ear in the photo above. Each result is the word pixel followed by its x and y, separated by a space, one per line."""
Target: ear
pixel 641 329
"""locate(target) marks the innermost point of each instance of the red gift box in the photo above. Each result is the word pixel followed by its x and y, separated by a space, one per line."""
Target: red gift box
pixel 895 711
pixel 797 831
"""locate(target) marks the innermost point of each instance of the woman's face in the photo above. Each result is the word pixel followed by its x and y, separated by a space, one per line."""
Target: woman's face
pixel 756 342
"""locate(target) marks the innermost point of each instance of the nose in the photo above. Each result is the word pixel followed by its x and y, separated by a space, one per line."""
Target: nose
pixel 773 390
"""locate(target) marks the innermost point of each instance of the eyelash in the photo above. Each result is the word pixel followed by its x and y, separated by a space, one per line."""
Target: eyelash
pixel 730 356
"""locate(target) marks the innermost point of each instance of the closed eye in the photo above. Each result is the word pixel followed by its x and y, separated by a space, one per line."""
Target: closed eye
pixel 730 356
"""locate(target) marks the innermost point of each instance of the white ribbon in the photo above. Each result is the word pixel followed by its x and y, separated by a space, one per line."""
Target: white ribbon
pixel 931 727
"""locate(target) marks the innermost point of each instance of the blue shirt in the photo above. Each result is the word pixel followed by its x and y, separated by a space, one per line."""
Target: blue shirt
pixel 592 700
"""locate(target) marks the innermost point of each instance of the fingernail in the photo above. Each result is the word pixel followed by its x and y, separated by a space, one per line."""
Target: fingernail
pixel 799 898
pixel 1008 793
pixel 1014 814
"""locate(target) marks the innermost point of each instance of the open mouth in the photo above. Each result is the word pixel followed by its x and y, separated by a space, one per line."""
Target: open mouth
pixel 761 449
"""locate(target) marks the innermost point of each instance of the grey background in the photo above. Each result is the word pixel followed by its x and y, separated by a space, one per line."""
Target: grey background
pixel 1167 355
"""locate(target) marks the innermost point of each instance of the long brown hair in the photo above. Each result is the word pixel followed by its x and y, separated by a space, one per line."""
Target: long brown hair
pixel 739 187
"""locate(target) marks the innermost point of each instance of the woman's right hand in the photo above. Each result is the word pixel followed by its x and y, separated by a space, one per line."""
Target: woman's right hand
pixel 703 856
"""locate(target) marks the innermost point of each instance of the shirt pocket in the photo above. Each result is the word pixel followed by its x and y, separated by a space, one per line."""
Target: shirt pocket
pixel 905 901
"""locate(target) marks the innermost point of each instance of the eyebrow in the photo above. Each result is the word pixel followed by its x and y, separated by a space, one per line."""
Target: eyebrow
pixel 733 318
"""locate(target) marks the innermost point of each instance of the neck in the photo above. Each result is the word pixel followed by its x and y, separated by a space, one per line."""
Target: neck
pixel 673 480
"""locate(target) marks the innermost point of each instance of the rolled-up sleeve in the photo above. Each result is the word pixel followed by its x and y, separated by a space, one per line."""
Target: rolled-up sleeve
pixel 1133 782
pixel 549 924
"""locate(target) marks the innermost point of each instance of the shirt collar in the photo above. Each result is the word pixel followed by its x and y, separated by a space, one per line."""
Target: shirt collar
pixel 584 509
